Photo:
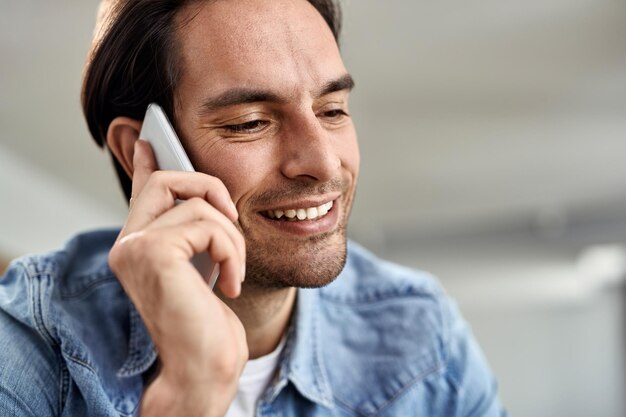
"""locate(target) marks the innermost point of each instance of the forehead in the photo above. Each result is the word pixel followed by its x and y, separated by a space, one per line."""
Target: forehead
pixel 248 43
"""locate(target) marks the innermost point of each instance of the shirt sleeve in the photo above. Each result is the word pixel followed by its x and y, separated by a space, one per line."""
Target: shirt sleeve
pixel 468 371
pixel 29 373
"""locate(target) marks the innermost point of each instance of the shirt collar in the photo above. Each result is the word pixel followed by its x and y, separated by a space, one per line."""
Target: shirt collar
pixel 302 362
pixel 141 350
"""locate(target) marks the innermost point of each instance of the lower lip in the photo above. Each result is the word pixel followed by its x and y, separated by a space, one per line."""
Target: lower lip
pixel 313 227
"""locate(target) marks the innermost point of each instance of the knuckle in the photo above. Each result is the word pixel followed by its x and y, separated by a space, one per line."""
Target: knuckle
pixel 149 244
pixel 198 205
pixel 215 182
pixel 126 253
pixel 114 258
pixel 229 365
pixel 154 180
pixel 205 225
pixel 137 244
pixel 216 185
pixel 196 202
pixel 158 177
pixel 201 209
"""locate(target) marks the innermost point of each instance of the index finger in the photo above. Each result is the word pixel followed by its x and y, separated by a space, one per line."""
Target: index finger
pixel 154 193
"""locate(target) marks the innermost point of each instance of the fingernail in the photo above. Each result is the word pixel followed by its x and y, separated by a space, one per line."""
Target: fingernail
pixel 232 206
pixel 243 272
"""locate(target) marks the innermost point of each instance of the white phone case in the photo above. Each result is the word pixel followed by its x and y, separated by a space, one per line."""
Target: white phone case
pixel 170 156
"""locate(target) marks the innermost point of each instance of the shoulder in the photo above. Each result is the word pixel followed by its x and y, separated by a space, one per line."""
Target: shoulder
pixel 34 285
pixel 391 296
pixel 376 300
pixel 52 327
pixel 397 307
pixel 393 332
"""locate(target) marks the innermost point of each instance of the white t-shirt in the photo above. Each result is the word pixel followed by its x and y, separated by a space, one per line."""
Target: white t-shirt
pixel 256 376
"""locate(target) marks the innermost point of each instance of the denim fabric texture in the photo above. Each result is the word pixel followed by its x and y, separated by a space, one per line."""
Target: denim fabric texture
pixel 381 340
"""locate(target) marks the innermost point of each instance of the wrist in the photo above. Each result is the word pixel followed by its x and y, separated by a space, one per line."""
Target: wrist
pixel 162 398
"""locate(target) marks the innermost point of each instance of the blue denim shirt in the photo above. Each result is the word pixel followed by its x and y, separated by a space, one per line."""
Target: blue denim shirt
pixel 381 340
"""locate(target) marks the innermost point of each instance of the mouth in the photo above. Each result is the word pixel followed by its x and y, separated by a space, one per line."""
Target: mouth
pixel 299 214
pixel 304 218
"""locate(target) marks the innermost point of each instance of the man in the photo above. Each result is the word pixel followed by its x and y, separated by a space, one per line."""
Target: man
pixel 258 94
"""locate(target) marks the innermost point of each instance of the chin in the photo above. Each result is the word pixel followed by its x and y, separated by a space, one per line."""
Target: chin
pixel 314 265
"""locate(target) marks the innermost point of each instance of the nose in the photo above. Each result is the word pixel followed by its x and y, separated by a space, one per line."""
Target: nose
pixel 309 152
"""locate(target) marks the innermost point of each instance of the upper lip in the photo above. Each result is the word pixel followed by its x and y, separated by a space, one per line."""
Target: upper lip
pixel 304 203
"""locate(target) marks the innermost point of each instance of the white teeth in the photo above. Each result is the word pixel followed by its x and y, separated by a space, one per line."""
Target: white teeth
pixel 309 213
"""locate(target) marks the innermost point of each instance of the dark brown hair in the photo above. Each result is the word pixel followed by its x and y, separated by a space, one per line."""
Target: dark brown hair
pixel 134 62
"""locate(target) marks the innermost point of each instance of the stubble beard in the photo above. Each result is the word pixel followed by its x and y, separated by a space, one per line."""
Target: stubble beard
pixel 312 263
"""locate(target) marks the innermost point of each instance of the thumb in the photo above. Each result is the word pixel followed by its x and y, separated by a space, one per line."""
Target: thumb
pixel 144 164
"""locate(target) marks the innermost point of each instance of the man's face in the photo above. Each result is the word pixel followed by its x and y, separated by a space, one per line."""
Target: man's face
pixel 263 105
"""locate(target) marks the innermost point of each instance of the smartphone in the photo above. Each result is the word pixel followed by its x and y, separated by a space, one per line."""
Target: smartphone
pixel 170 156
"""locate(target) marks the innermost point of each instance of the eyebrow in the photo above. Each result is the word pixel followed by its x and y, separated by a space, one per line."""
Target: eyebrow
pixel 345 82
pixel 238 96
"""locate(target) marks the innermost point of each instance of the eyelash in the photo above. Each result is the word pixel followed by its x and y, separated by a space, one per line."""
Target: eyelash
pixel 255 126
pixel 335 113
pixel 252 126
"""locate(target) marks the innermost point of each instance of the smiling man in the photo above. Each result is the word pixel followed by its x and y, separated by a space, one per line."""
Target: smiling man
pixel 120 322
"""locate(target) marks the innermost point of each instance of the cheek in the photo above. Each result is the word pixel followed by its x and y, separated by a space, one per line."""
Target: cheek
pixel 349 151
pixel 242 167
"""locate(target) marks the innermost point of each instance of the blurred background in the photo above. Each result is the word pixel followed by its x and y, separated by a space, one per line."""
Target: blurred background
pixel 493 137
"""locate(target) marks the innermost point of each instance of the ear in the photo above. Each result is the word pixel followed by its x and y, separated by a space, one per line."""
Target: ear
pixel 121 137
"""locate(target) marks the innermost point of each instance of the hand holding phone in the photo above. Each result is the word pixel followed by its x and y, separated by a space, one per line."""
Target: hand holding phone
pixel 201 341
pixel 170 155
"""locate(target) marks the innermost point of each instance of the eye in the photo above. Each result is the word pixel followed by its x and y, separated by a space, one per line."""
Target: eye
pixel 334 117
pixel 253 126
pixel 334 114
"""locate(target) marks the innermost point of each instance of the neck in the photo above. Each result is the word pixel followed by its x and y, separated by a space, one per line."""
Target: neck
pixel 265 315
